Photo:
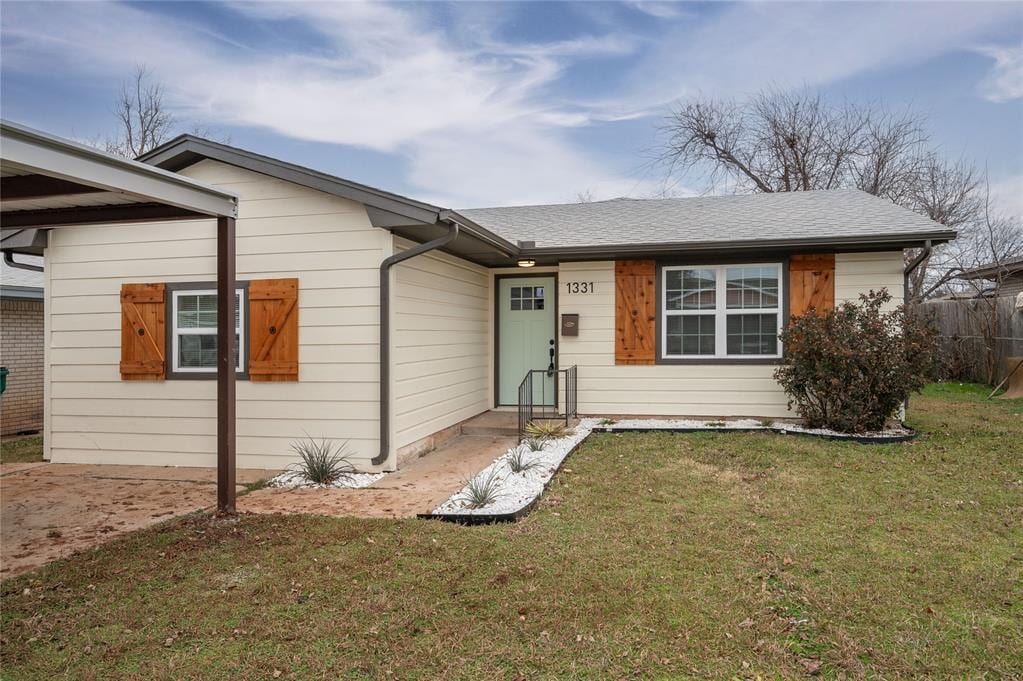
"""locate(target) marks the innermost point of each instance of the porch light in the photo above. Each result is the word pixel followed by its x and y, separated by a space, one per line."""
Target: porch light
pixel 527 263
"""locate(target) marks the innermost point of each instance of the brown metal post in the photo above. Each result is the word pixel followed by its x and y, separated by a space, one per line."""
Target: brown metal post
pixel 225 365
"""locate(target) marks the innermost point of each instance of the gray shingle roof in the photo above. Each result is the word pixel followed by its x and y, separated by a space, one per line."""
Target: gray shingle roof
pixel 750 217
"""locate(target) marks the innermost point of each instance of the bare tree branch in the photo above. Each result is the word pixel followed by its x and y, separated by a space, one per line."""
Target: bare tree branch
pixel 144 122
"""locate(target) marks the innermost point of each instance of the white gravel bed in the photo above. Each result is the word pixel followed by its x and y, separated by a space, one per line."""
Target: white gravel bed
pixel 520 489
pixel 295 479
pixel 746 424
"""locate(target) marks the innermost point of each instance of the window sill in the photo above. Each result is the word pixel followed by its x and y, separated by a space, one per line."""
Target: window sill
pixel 202 376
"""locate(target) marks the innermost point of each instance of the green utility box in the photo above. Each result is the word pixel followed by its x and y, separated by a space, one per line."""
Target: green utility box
pixel 3 379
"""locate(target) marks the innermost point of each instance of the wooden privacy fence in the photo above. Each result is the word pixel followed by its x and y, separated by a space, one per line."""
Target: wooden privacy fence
pixel 976 336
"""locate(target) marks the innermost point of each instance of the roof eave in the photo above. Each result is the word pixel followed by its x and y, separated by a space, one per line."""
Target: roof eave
pixel 903 240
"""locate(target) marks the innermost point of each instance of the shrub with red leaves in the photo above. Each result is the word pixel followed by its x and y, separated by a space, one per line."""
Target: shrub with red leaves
pixel 851 368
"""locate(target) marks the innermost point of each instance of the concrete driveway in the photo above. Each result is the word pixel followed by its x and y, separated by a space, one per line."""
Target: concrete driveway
pixel 49 511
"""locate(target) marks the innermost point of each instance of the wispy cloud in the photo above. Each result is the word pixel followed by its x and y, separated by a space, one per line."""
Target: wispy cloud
pixel 475 117
pixel 749 46
pixel 1005 80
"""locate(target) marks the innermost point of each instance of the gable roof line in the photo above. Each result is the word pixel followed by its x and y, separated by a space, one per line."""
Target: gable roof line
pixel 184 150
pixel 387 208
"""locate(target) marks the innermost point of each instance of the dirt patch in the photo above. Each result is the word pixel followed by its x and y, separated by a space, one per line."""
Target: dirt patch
pixel 50 511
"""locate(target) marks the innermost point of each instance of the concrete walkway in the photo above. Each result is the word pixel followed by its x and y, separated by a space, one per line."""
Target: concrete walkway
pixel 419 487
pixel 49 511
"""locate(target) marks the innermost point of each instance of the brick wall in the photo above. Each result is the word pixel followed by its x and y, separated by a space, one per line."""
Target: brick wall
pixel 21 351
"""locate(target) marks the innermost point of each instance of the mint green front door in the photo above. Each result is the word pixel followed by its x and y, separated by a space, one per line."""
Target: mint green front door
pixel 525 338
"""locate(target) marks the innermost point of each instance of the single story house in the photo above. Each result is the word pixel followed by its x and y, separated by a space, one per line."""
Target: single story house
pixel 21 344
pixel 383 321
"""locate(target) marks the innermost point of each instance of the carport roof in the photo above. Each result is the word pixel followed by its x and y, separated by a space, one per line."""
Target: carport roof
pixel 47 181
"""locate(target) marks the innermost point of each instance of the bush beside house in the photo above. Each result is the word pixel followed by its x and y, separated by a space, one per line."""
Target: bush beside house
pixel 852 368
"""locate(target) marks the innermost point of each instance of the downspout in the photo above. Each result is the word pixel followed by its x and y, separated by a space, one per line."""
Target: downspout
pixel 385 334
pixel 924 254
pixel 11 262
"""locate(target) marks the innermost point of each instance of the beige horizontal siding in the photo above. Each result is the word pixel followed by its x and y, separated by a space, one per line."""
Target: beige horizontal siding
pixel 283 231
pixel 684 390
pixel 440 326
pixel 857 273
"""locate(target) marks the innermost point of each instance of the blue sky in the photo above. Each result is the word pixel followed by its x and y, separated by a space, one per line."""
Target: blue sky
pixel 470 104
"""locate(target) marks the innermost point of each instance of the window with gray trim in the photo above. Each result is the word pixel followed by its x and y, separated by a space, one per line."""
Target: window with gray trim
pixel 722 311
pixel 193 331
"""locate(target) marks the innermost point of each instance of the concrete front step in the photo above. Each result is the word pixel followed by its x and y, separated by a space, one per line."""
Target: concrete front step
pixel 493 423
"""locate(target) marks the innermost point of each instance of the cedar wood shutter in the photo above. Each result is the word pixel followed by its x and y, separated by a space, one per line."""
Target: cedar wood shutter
pixel 811 283
pixel 273 330
pixel 143 332
pixel 635 314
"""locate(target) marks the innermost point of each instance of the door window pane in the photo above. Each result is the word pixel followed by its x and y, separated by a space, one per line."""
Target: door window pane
pixel 527 297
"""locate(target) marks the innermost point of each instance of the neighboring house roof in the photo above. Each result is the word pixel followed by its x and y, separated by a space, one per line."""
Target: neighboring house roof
pixel 1006 268
pixel 18 283
pixel 835 216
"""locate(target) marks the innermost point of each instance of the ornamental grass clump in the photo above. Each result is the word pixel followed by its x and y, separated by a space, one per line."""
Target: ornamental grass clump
pixel 547 430
pixel 322 462
pixel 534 444
pixel 481 490
pixel 519 460
pixel 850 369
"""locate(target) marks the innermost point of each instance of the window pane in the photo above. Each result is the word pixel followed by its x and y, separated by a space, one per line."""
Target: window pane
pixel 538 304
pixel 516 304
pixel 699 290
pixel 197 351
pixel 690 335
pixel 751 287
pixel 538 292
pixel 516 292
pixel 200 311
pixel 752 334
pixel 673 290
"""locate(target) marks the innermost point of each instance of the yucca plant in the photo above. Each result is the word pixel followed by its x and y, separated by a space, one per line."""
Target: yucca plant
pixel 534 444
pixel 519 461
pixel 547 430
pixel 481 490
pixel 323 462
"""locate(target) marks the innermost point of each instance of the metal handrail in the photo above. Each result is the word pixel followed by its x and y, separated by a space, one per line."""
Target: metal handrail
pixel 565 394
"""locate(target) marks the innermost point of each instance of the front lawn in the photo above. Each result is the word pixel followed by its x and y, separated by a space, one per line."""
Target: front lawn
pixel 654 555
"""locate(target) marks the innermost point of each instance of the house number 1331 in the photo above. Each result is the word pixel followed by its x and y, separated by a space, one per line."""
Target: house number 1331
pixel 580 286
